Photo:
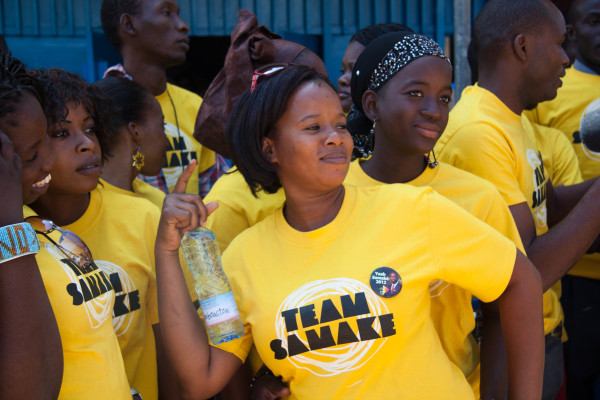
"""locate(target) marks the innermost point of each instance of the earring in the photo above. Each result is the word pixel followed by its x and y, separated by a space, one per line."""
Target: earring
pixel 372 131
pixel 434 163
pixel 138 159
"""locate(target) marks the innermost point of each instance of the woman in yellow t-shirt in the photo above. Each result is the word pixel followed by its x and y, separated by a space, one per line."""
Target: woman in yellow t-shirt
pixel 406 114
pixel 315 282
pixel 139 145
pixel 119 229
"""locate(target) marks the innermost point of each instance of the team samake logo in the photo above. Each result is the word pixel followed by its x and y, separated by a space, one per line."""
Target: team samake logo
pixel 127 296
pixel 91 289
pixel 179 154
pixel 331 326
pixel 538 197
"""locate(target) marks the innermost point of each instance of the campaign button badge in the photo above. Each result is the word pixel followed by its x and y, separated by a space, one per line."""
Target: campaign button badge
pixel 385 282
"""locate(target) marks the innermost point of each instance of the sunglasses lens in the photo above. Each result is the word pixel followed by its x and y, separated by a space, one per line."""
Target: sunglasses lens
pixel 39 224
pixel 272 70
pixel 77 251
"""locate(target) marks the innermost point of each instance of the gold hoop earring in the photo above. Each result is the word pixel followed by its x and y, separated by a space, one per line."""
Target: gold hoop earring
pixel 138 159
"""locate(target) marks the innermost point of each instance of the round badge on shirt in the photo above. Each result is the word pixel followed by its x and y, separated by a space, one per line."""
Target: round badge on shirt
pixel 386 282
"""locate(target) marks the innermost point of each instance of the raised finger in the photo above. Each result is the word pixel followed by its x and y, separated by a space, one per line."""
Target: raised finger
pixel 185 177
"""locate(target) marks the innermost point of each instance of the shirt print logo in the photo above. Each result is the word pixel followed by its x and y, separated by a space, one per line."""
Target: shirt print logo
pixel 331 326
pixel 92 290
pixel 179 154
pixel 538 197
pixel 127 296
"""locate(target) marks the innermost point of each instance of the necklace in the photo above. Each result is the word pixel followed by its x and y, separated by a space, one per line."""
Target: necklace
pixel 175 114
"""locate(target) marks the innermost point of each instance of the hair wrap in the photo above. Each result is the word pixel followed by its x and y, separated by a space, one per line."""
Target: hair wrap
pixel 379 61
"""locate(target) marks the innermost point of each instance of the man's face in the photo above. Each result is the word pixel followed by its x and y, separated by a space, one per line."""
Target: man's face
pixel 161 34
pixel 393 278
pixel 586 26
pixel 547 60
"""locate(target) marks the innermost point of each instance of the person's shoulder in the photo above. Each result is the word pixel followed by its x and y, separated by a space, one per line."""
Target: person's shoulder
pixel 449 173
pixel 182 94
pixel 120 204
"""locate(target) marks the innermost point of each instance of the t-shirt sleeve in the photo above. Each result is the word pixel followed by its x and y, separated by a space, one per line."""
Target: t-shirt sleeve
pixel 231 263
pixel 482 150
pixel 499 217
pixel 468 252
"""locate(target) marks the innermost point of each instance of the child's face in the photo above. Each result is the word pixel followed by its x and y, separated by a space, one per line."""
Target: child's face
pixel 27 129
pixel 74 141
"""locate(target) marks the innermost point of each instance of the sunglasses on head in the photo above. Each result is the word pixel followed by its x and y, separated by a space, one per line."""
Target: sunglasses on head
pixel 69 243
pixel 266 70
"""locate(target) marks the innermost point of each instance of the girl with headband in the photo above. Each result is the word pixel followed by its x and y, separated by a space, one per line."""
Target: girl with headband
pixel 334 286
pixel 401 87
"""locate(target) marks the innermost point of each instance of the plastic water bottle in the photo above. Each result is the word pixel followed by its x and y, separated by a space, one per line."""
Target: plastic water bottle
pixel 221 314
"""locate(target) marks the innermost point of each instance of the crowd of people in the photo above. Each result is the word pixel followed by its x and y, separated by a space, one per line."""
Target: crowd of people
pixel 358 224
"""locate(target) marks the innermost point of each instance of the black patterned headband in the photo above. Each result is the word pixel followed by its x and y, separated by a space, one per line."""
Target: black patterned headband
pixel 404 51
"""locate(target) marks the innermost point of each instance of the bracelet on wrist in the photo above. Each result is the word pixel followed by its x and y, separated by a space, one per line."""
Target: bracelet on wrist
pixel 17 240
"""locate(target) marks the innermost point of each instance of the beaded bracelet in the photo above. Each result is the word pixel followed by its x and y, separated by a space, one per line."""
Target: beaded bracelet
pixel 17 240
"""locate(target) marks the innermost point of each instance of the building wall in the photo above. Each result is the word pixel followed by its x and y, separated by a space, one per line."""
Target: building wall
pixel 67 34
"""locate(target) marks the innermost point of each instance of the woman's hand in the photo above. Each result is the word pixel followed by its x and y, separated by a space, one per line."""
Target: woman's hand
pixel 11 193
pixel 181 213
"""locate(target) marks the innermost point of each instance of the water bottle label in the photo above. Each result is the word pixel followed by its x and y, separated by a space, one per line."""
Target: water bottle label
pixel 219 309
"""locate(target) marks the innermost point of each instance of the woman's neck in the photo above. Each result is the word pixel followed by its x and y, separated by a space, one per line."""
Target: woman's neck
pixel 62 209
pixel 394 168
pixel 307 213
pixel 118 170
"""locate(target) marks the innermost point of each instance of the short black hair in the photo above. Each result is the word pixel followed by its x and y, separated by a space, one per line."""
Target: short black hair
pixel 68 87
pixel 129 101
pixel 16 81
pixel 500 21
pixel 254 117
pixel 110 16
pixel 367 34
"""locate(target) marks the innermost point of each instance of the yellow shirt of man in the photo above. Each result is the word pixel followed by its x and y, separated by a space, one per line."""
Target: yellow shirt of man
pixel 180 108
pixel 316 316
pixel 83 303
pixel 560 160
pixel 238 208
pixel 451 308
pixel 564 113
pixel 486 138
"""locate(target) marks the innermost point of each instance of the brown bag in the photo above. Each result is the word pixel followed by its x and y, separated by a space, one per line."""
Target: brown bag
pixel 251 47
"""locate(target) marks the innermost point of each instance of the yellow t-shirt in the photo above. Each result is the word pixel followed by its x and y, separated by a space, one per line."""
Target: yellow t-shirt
pixel 560 161
pixel 451 308
pixel 82 303
pixel 486 138
pixel 564 113
pixel 308 304
pixel 238 208
pixel 146 191
pixel 120 231
pixel 180 108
